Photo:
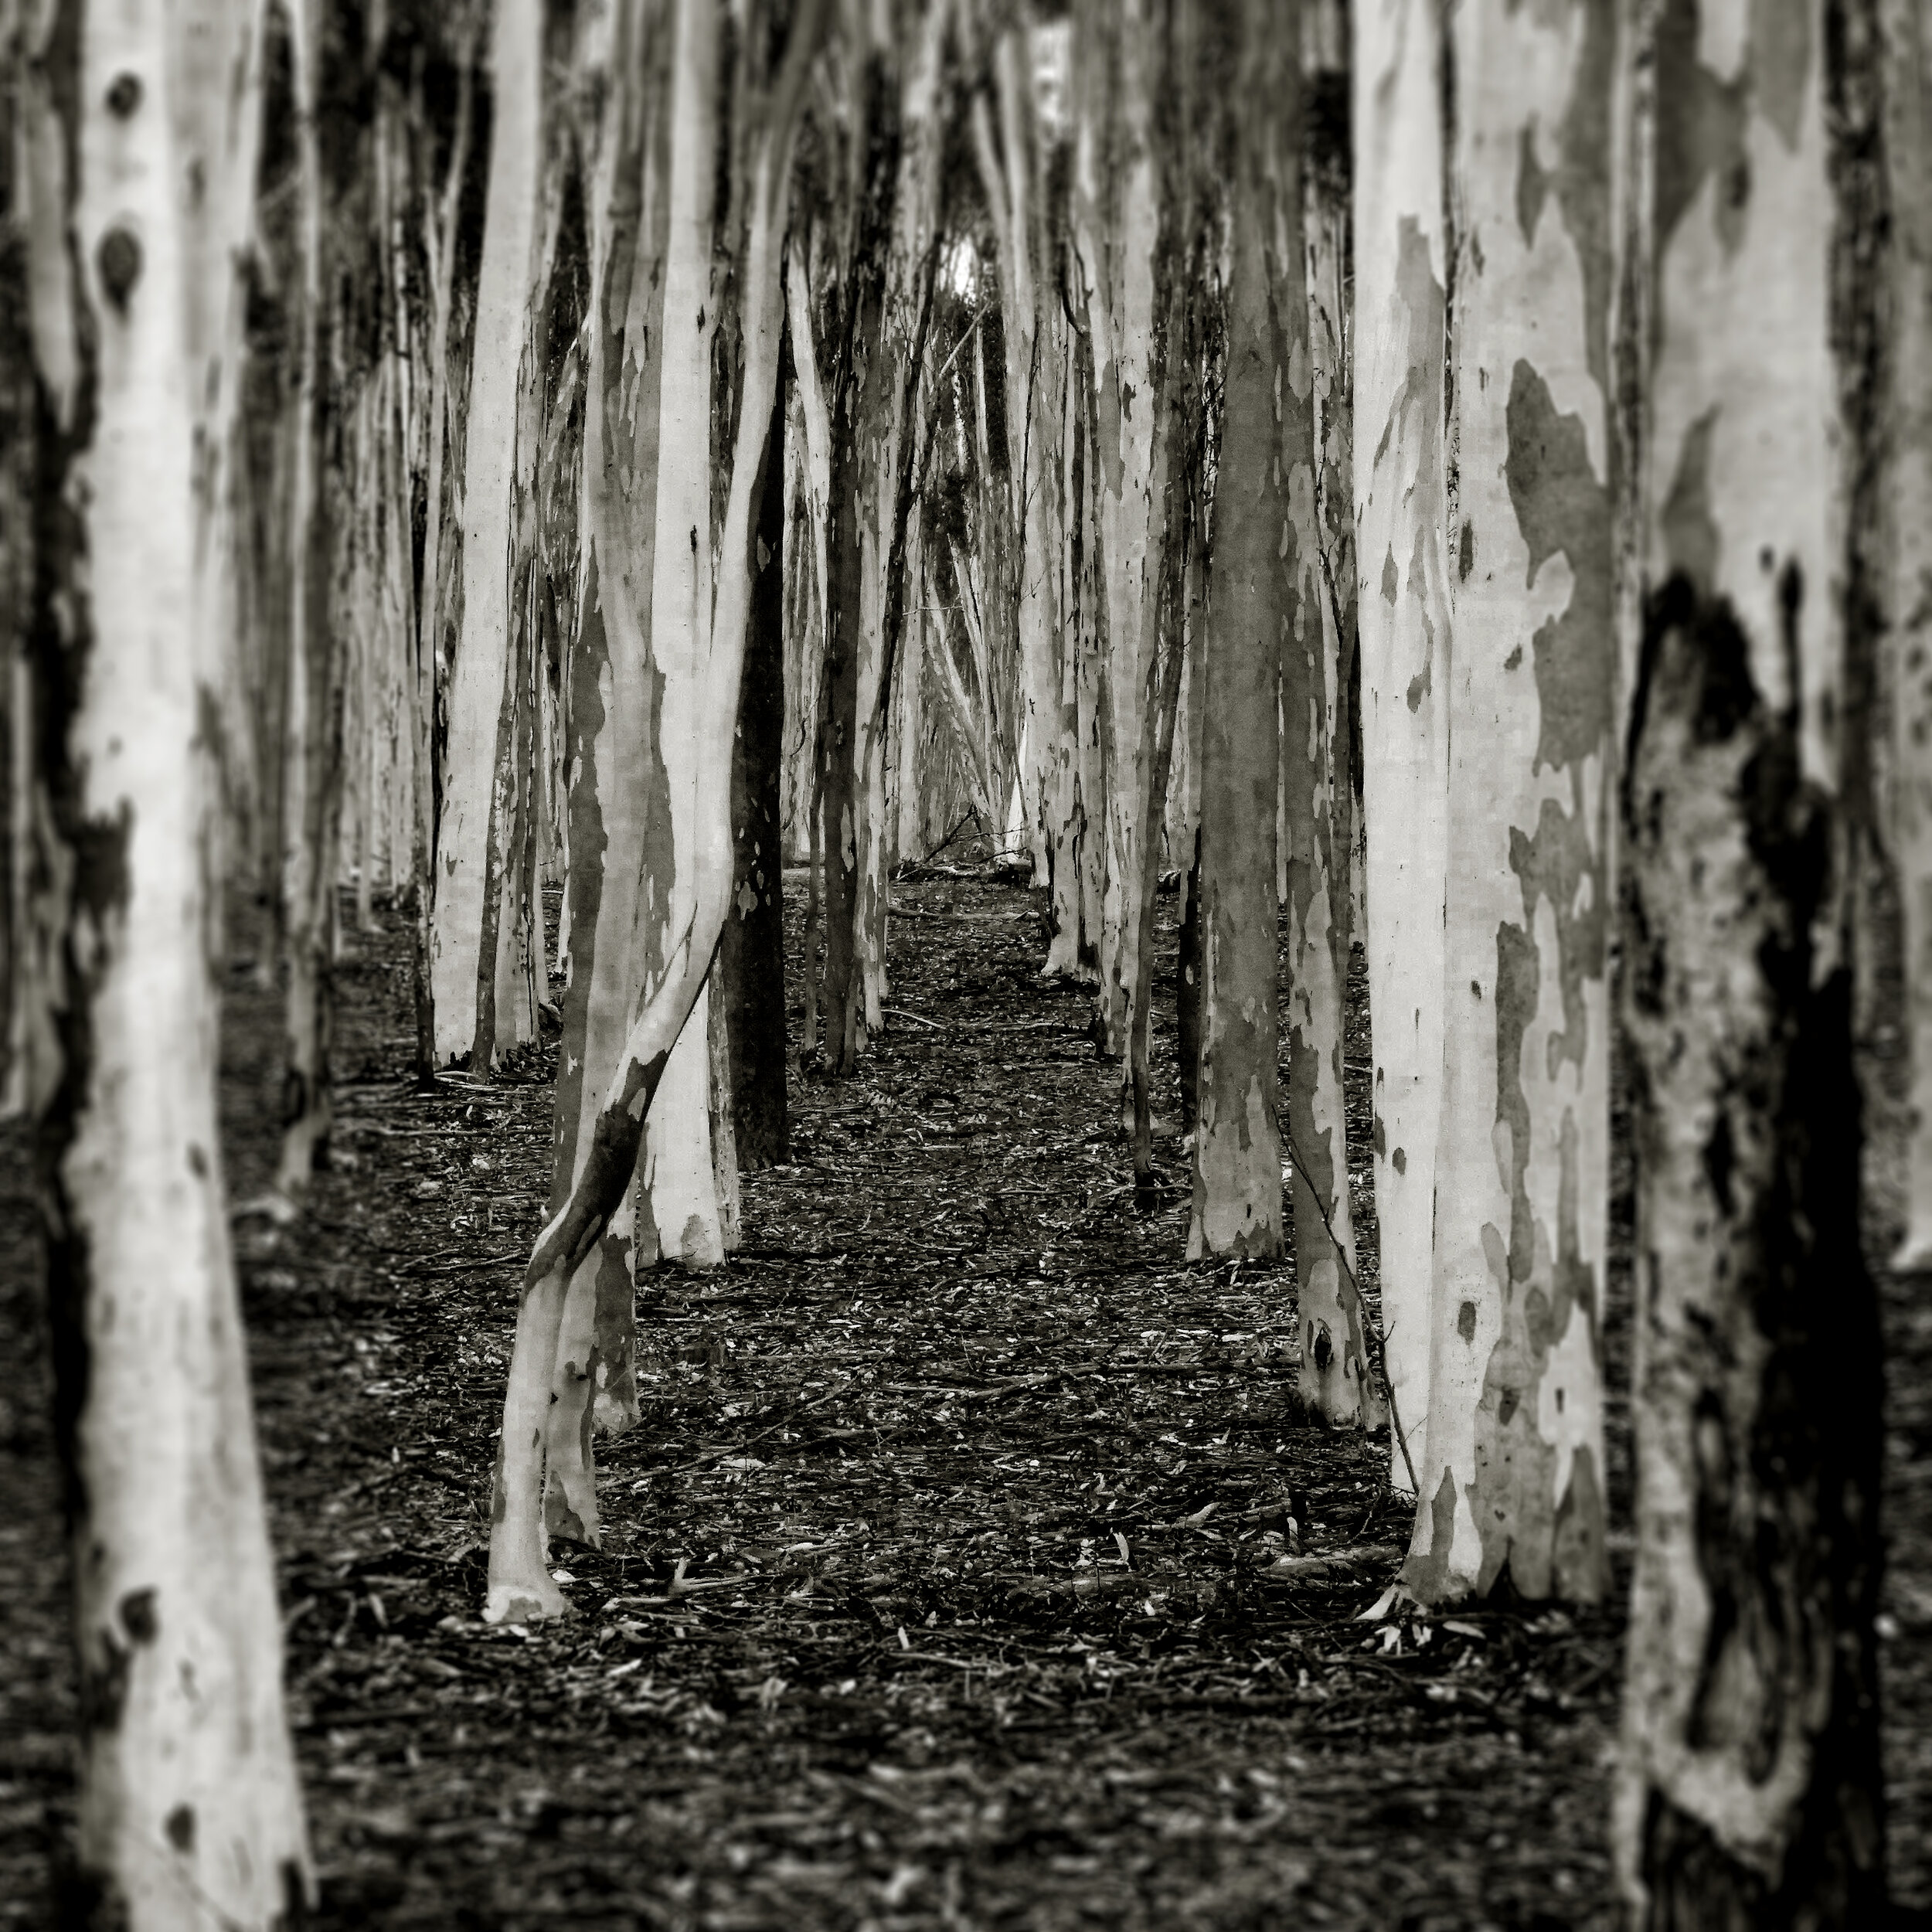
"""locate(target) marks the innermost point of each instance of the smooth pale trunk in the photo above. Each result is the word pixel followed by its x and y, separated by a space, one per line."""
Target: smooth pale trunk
pixel 1191 731
pixel 479 686
pixel 188 1815
pixel 431 657
pixel 677 1215
pixel 1908 149
pixel 1749 1792
pixel 1403 615
pixel 1512 1481
pixel 808 565
pixel 1253 573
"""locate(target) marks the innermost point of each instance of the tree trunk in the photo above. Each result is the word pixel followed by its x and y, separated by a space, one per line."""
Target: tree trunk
pixel 607 1137
pixel 1035 335
pixel 1512 1477
pixel 312 743
pixel 1117 231
pixel 1401 509
pixel 751 960
pixel 482 690
pixel 1908 150
pixel 678 1213
pixel 1255 571
pixel 189 1815
pixel 1749 1791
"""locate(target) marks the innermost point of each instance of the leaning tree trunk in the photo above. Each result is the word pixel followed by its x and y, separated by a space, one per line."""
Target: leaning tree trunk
pixel 620 791
pixel 1512 1481
pixel 602 1156
pixel 479 689
pixel 1403 606
pixel 189 1816
pixel 1749 1793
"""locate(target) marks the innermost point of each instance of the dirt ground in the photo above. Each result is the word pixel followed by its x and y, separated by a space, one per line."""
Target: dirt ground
pixel 936 1591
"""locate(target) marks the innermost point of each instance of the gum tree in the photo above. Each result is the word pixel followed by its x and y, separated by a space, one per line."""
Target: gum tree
pixel 189 1815
pixel 603 1106
pixel 1749 1792
pixel 1403 610
pixel 1512 1476
pixel 482 690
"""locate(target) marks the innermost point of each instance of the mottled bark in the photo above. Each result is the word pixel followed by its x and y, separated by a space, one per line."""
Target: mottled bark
pixel 1117 221
pixel 1512 1476
pixel 1749 1792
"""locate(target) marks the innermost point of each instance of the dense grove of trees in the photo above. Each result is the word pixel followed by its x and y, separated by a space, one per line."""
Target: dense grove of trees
pixel 1453 483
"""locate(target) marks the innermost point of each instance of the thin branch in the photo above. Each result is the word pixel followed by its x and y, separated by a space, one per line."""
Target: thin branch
pixel 1369 1329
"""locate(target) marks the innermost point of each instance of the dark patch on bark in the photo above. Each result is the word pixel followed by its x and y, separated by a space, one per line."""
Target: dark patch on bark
pixel 1701 123
pixel 179 1824
pixel 1690 536
pixel 1772 1326
pixel 138 1616
pixel 1533 184
pixel 118 260
pixel 1560 505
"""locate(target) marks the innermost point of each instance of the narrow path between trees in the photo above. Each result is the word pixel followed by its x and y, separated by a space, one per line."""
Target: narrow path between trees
pixel 973 1565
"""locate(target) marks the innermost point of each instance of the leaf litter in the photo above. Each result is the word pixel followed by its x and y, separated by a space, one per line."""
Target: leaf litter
pixel 973 1564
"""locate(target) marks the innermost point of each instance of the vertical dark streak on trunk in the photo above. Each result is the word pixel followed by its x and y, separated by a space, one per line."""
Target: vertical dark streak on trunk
pixel 751 967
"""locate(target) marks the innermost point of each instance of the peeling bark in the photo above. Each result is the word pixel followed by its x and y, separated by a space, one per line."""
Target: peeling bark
pixel 1750 1794
pixel 1514 1461
pixel 588 1205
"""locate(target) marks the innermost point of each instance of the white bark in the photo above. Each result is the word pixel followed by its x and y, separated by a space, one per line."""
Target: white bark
pixel 1403 605
pixel 679 1210
pixel 189 1817
pixel 608 1143
pixel 477 680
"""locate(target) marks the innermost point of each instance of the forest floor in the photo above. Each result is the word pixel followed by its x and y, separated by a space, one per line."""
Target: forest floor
pixel 938 1584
